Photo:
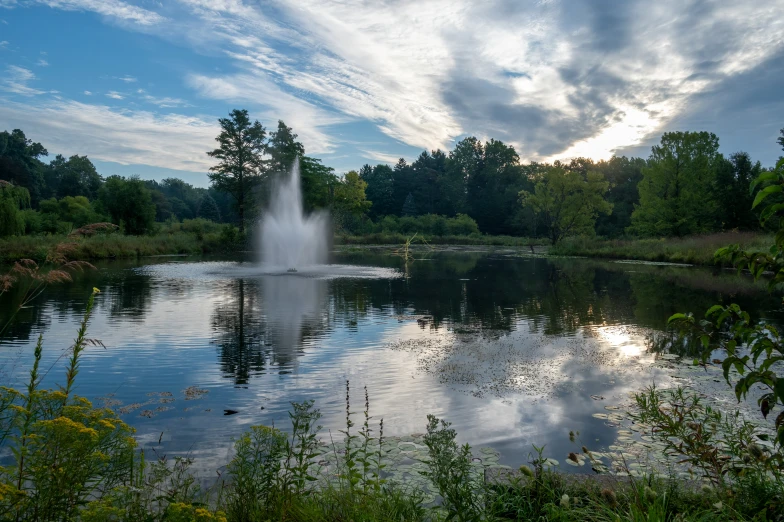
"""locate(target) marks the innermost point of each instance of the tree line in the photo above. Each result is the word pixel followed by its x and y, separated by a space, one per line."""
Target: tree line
pixel 686 186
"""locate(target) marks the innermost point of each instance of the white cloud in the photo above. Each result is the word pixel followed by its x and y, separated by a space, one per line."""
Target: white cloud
pixel 111 8
pixel 88 93
pixel 381 156
pixel 16 81
pixel 307 119
pixel 127 137
pixel 532 74
pixel 115 95
pixel 43 63
pixel 127 79
pixel 3 44
pixel 165 102
pixel 555 79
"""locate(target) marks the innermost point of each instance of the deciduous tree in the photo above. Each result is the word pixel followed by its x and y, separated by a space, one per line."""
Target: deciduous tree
pixel 568 203
pixel 678 189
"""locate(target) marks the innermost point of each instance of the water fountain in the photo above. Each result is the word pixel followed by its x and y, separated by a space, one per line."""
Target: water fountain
pixel 291 240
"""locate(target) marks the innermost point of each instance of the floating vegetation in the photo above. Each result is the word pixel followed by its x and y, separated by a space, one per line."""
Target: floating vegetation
pixel 193 393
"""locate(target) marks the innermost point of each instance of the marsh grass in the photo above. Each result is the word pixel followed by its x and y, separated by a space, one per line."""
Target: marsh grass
pixel 389 238
pixel 697 250
pixel 196 236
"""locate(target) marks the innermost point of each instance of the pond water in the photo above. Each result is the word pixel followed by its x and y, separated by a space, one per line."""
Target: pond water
pixel 513 350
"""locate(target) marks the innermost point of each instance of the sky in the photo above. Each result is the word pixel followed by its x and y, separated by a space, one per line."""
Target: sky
pixel 138 86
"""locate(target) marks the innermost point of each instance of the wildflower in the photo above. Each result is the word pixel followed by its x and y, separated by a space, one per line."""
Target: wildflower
pixel 565 501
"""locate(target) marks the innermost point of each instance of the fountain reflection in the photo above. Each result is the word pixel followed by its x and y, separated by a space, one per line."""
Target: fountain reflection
pixel 294 309
pixel 262 324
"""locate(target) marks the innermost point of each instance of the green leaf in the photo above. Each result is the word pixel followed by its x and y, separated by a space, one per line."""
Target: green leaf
pixel 676 317
pixel 778 389
pixel 766 176
pixel 713 309
pixel 764 193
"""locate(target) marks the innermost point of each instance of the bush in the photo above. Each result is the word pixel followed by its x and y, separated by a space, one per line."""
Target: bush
pixel 428 225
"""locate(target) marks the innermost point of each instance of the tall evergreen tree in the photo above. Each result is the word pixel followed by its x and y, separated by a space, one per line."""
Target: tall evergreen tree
pixel 241 167
pixel 409 206
pixel 283 148
pixel 380 189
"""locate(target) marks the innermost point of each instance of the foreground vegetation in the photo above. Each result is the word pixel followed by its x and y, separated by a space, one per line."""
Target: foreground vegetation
pixel 697 250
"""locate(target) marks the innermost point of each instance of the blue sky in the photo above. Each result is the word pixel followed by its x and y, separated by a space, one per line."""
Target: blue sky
pixel 138 85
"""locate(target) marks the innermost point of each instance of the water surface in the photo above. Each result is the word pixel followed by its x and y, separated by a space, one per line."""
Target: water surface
pixel 512 350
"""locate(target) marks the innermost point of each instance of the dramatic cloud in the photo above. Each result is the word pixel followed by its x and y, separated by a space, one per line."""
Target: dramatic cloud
pixel 555 78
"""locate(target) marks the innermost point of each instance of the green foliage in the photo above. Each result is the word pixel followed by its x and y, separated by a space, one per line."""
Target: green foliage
pixel 19 163
pixel 753 348
pixel 64 451
pixel 698 250
pixel 379 190
pixel 12 201
pixel 241 167
pixel 283 149
pixel 318 183
pixel 350 195
pixel 66 214
pixel 449 468
pixel 409 207
pixel 75 176
pixel 255 473
pixel 678 192
pixel 724 447
pixel 623 174
pixel 568 203
pixel 129 203
pixel 429 225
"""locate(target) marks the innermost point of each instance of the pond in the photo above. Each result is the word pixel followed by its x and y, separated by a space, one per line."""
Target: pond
pixel 513 350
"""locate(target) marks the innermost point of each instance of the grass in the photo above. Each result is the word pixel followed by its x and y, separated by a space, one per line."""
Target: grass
pixel 697 250
pixel 114 246
pixel 384 238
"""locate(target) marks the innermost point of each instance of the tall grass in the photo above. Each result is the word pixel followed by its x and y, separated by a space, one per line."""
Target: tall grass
pixel 696 250
pixel 178 238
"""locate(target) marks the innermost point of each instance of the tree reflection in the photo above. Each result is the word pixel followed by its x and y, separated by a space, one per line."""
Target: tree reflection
pixel 239 331
pixel 263 324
